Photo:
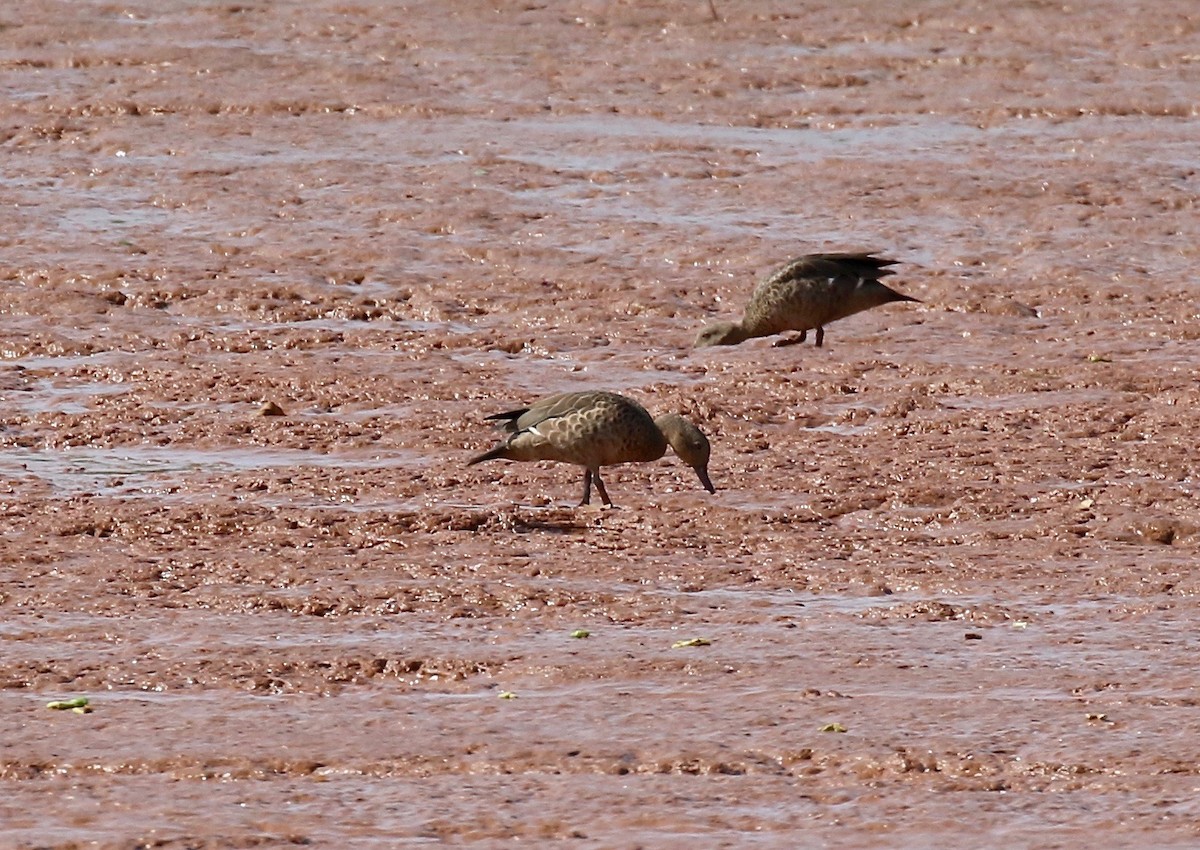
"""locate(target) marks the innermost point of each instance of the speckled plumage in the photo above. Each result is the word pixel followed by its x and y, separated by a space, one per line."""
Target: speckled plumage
pixel 809 293
pixel 594 429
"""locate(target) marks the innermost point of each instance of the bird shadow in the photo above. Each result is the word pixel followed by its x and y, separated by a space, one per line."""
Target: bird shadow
pixel 552 519
pixel 549 519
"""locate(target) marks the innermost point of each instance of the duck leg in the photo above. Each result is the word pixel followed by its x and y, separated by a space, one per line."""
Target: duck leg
pixel 587 488
pixel 600 487
pixel 791 340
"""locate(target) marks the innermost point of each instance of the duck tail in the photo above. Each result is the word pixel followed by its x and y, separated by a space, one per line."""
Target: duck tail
pixel 900 296
pixel 507 421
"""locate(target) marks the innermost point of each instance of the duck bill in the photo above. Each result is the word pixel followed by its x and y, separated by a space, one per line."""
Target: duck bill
pixel 705 480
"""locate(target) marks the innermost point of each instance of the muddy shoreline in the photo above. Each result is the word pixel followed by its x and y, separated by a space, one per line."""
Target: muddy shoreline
pixel 964 532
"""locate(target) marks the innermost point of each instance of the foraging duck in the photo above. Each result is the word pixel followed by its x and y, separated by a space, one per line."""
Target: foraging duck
pixel 594 429
pixel 809 292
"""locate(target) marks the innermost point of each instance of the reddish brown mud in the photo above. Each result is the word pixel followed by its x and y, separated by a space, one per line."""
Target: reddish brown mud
pixel 266 267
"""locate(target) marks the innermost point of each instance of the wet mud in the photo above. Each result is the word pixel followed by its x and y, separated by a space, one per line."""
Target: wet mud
pixel 265 268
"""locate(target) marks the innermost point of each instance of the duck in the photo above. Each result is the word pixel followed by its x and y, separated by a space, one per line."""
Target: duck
pixel 807 293
pixel 596 428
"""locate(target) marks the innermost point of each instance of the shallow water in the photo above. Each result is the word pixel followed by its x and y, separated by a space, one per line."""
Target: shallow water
pixel 964 530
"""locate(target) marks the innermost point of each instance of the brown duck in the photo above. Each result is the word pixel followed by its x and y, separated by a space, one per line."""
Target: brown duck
pixel 594 429
pixel 809 292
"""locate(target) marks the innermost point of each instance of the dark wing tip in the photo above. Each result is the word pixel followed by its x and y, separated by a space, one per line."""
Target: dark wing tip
pixel 853 256
pixel 862 263
pixel 866 263
pixel 508 414
pixel 507 421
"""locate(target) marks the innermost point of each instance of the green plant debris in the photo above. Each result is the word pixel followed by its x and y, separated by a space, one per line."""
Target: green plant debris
pixel 679 644
pixel 64 704
pixel 581 633
pixel 833 727
pixel 506 695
